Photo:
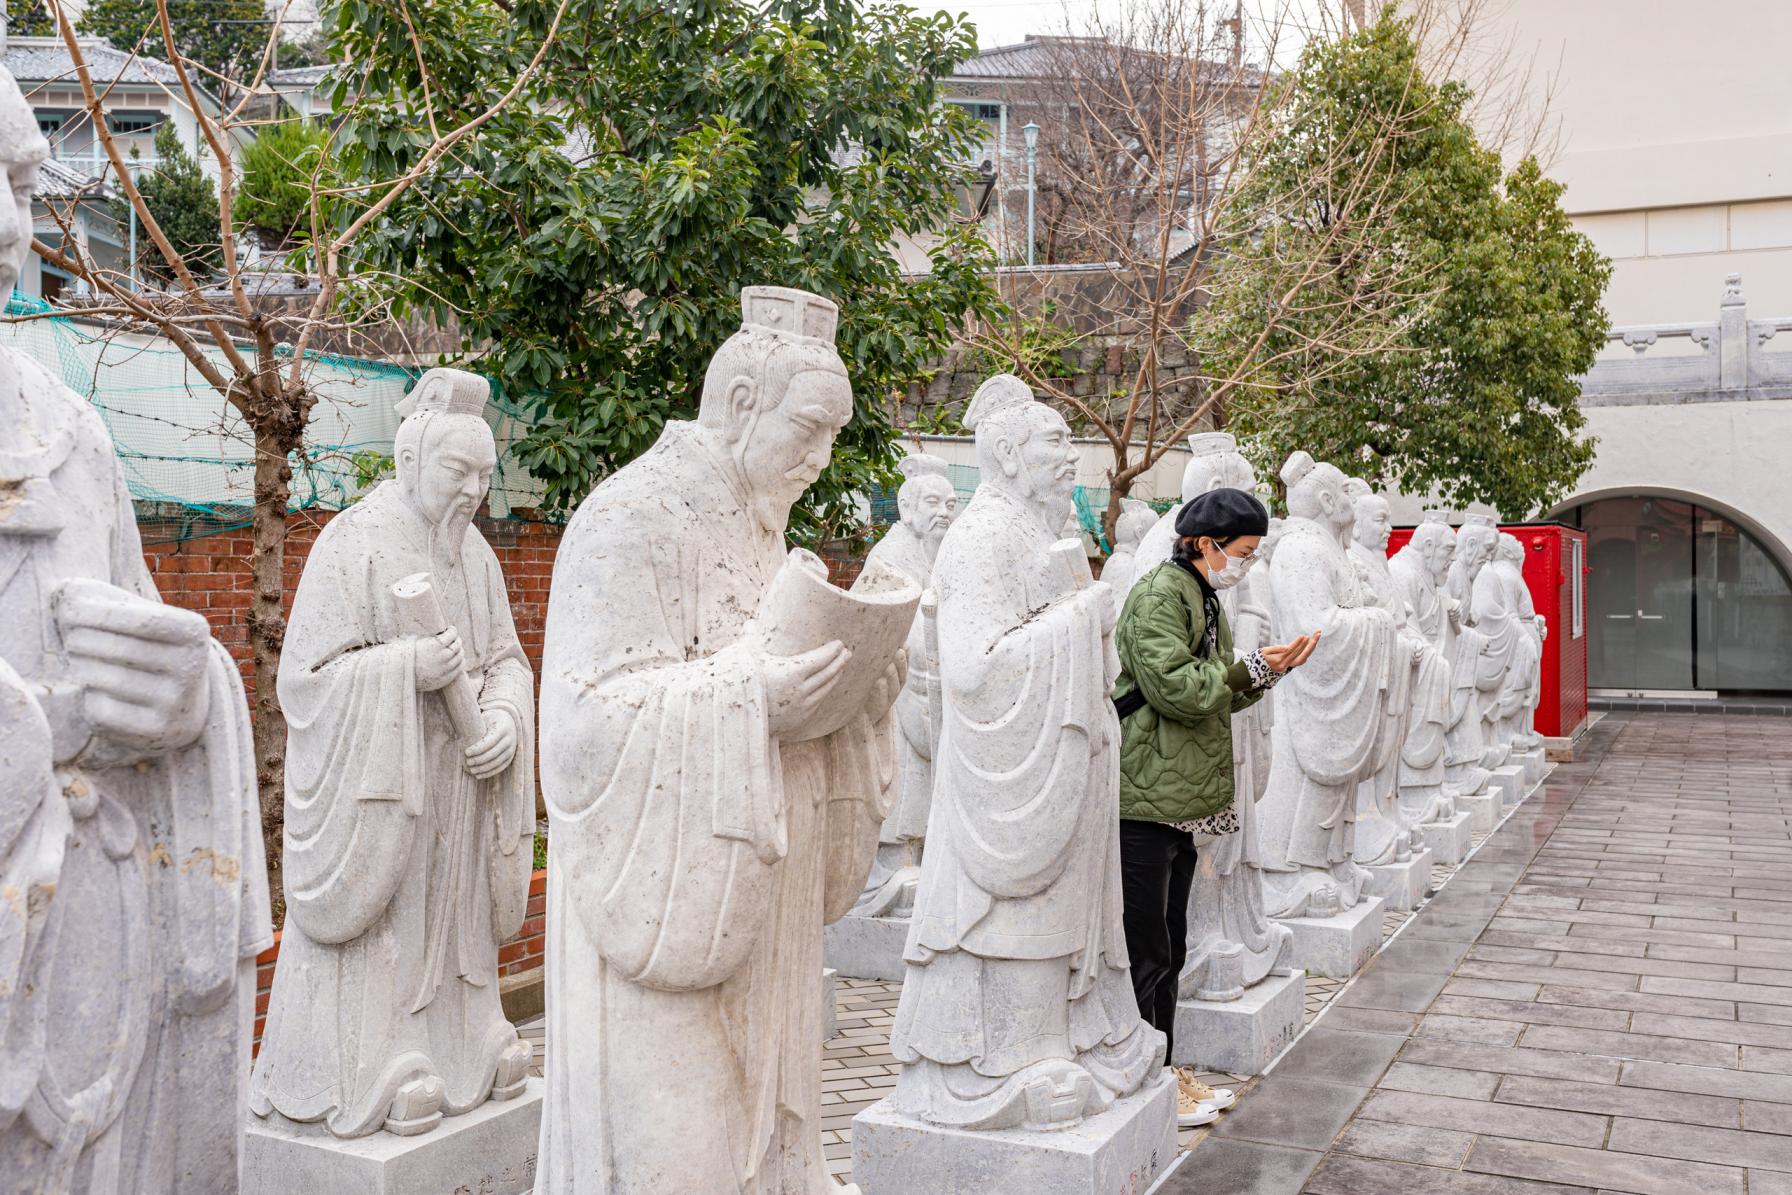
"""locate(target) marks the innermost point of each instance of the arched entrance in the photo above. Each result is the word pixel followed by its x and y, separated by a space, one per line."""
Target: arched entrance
pixel 1682 595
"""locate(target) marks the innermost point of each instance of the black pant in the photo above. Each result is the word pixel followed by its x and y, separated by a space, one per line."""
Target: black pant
pixel 1157 869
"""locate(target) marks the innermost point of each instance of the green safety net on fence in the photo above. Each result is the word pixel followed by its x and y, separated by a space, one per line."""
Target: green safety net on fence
pixel 188 458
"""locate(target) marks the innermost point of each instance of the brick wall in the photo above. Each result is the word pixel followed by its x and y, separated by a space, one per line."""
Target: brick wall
pixel 521 954
pixel 210 574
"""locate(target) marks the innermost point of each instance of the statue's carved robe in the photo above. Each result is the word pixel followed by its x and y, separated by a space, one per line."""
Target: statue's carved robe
pixel 693 857
pixel 1017 953
pixel 1232 943
pixel 911 789
pixel 403 872
pixel 1383 834
pixel 126 1020
pixel 1328 720
pixel 1527 669
pixel 1422 754
pixel 1497 671
pixel 1464 646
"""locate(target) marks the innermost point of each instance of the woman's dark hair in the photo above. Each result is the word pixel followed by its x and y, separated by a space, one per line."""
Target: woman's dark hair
pixel 1186 551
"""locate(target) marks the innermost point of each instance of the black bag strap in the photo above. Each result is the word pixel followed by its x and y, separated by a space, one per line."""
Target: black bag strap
pixel 1130 704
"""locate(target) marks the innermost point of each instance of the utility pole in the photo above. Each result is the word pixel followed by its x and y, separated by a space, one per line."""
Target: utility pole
pixel 1031 132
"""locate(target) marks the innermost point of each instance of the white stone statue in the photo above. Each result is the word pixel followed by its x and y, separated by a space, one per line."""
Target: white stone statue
pixel 1135 522
pixel 410 797
pixel 715 746
pixel 135 894
pixel 925 505
pixel 1330 711
pixel 1487 613
pixel 1419 570
pixel 1468 757
pixel 1524 681
pixel 1017 1009
pixel 1383 833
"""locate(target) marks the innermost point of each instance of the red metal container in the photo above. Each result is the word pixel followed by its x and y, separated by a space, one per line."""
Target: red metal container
pixel 1555 570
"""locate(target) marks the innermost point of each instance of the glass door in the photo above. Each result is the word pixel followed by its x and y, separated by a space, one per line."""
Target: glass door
pixel 1640 604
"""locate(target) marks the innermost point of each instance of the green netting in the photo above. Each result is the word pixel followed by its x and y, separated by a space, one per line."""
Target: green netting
pixel 188 458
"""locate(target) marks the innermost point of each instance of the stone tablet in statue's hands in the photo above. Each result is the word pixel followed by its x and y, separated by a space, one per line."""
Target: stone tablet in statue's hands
pixel 440 659
pixel 141 665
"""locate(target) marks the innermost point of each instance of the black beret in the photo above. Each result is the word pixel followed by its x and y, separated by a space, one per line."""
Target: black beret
pixel 1222 514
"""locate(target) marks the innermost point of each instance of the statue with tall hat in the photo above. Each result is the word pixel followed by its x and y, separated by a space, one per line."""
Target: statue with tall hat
pixel 136 896
pixel 1232 943
pixel 925 505
pixel 410 797
pixel 1419 571
pixel 715 755
pixel 1017 1009
pixel 1468 754
pixel 1384 833
pixel 1330 713
pixel 1483 596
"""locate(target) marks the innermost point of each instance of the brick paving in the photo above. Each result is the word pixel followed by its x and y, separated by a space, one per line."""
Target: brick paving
pixel 1599 1002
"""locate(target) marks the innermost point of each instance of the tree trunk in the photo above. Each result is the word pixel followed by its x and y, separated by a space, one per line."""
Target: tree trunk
pixel 267 630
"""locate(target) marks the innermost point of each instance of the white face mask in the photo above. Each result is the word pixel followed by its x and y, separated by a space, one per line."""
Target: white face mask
pixel 1232 573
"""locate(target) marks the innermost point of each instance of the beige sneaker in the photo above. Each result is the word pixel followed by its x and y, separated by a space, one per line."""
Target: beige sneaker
pixel 1191 1113
pixel 1217 1098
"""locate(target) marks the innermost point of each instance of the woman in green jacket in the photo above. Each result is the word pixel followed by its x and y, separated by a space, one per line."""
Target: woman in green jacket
pixel 1178 689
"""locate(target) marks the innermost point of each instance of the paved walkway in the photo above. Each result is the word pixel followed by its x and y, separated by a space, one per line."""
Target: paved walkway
pixel 1600 1000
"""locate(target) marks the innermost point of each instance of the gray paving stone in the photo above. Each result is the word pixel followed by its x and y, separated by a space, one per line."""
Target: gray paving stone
pixel 1440 1080
pixel 1707 989
pixel 1368 1020
pixel 1701 1143
pixel 1293 1112
pixel 1496 988
pixel 1339 1056
pixel 1602 1168
pixel 1478 1116
pixel 1637 1001
pixel 1607 1099
pixel 1742 1033
pixel 1342 1175
pixel 1631 1045
pixel 1420 954
pixel 1399 991
pixel 1404 1143
pixel 1668 1076
pixel 1222 1167
pixel 1530 1012
pixel 1762 1117
pixel 1547 1064
pixel 1486 1031
pixel 1577 976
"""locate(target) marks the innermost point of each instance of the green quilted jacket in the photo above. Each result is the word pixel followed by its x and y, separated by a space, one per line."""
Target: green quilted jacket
pixel 1176 749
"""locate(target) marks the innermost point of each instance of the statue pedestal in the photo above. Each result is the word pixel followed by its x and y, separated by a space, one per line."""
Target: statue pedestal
pixel 490 1149
pixel 1449 841
pixel 1534 764
pixel 866 947
pixel 1125 1148
pixel 1337 947
pixel 830 1016
pixel 1403 885
pixel 1241 1036
pixel 1508 781
pixel 1483 809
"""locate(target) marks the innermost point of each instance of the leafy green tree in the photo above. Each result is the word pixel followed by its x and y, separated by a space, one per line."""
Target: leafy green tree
pixel 1465 379
pixel 278 168
pixel 184 202
pixel 593 243
pixel 224 36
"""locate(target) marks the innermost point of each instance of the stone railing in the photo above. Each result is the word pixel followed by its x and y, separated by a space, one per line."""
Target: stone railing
pixel 1736 358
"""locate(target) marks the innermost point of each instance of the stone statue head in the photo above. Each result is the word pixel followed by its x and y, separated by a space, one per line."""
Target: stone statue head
pixel 1266 549
pixel 444 450
pixel 1435 543
pixel 1316 492
pixel 776 395
pixel 1216 464
pixel 23 148
pixel 1475 543
pixel 1136 518
pixel 927 500
pixel 1024 446
pixel 1374 523
pixel 1510 549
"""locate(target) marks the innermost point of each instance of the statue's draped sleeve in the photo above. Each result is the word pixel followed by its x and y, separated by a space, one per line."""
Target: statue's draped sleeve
pixel 1495 621
pixel 1340 689
pixel 1026 697
pixel 658 764
pixel 31 851
pixel 509 685
pixel 356 769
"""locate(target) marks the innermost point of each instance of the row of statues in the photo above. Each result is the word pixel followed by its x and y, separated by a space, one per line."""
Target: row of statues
pixel 733 754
